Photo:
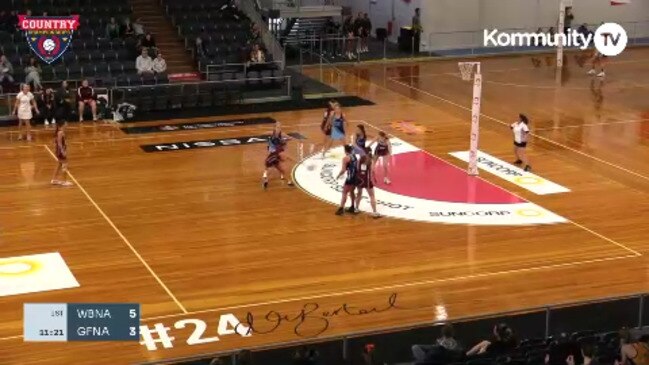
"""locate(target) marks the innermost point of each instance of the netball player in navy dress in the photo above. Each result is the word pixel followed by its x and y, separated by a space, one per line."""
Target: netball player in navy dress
pixel 366 180
pixel 360 138
pixel 61 156
pixel 350 166
pixel 276 156
pixel 383 153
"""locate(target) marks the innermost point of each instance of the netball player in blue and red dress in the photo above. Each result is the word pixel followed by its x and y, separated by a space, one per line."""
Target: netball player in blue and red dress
pixel 366 180
pixel 383 153
pixel 325 126
pixel 276 148
pixel 350 166
pixel 61 156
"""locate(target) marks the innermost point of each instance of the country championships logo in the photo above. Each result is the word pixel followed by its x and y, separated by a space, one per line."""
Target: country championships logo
pixel 610 39
pixel 49 37
pixel 418 201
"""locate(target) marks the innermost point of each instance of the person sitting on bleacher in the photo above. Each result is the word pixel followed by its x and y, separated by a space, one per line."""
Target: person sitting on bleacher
pixel 445 349
pixel 112 29
pixel 86 96
pixel 33 74
pixel 144 63
pixel 159 64
pixel 127 29
pixel 501 343
pixel 632 351
pixel 138 28
pixel 148 42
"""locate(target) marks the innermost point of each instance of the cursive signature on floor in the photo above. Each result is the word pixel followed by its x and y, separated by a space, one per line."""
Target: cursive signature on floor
pixel 312 319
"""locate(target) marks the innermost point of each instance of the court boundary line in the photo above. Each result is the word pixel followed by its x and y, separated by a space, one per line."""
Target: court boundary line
pixel 610 240
pixel 119 233
pixel 630 121
pixel 548 140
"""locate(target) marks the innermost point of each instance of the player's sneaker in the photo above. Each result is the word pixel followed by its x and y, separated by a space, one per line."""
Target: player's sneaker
pixel 518 162
pixel 601 74
pixel 592 72
pixel 528 168
pixel 290 183
pixel 66 183
pixel 264 183
pixel 47 122
pixel 55 182
pixel 340 211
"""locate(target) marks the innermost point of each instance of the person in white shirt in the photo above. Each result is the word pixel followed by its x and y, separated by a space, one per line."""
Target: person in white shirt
pixel 25 101
pixel 144 63
pixel 159 64
pixel 521 131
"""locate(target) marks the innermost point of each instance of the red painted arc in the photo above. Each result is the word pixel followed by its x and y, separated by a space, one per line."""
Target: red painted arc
pixel 420 175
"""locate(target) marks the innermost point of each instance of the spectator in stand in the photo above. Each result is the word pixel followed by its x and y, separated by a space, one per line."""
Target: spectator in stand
pixel 159 64
pixel 63 103
pixel 587 352
pixel 86 96
pixel 48 106
pixel 244 357
pixel 632 352
pixel 112 29
pixel 257 55
pixel 567 19
pixel 257 58
pixel 562 348
pixel 144 63
pixel 305 356
pixel 367 31
pixel 148 43
pixel 358 31
pixel 138 28
pixel 348 32
pixel 33 74
pixel 417 30
pixel 201 43
pixel 127 29
pixel 501 343
pixel 6 71
pixel 255 34
pixel 5 21
pixel 445 349
pixel 13 21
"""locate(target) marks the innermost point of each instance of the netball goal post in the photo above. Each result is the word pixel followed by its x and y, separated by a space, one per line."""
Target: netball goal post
pixel 471 71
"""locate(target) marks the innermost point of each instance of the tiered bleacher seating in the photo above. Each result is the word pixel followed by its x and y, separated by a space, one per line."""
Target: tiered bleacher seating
pixel 226 31
pixel 108 62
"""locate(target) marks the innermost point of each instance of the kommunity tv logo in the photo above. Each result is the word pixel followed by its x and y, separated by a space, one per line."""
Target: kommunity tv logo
pixel 610 39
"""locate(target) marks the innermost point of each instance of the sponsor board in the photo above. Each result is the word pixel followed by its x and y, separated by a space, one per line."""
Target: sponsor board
pixel 197 125
pixel 212 143
pixel 34 273
pixel 513 174
pixel 425 188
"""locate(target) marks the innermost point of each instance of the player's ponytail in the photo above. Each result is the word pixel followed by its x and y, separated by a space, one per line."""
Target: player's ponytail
pixel 362 128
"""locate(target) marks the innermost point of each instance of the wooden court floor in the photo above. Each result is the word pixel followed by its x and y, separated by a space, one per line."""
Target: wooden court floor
pixel 192 237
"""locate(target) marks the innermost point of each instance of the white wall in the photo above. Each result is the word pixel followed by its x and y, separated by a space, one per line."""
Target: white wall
pixel 471 16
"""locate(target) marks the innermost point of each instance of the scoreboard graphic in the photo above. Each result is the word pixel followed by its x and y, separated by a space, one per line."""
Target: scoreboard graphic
pixel 62 322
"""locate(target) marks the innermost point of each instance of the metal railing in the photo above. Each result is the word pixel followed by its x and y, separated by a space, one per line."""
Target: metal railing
pixel 210 70
pixel 297 4
pixel 242 86
pixel 272 44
